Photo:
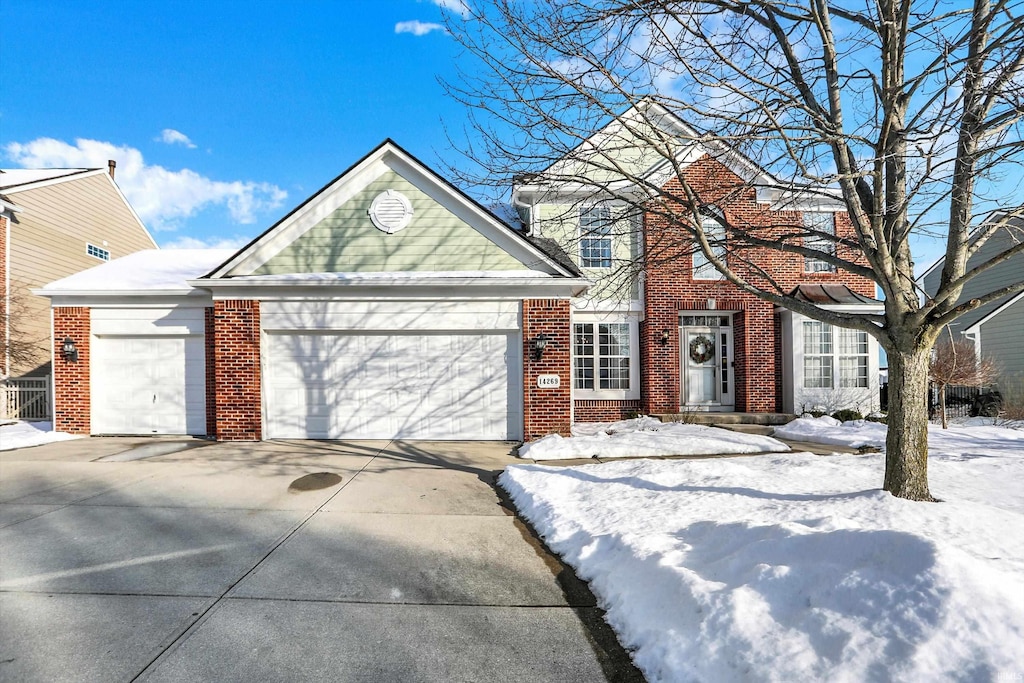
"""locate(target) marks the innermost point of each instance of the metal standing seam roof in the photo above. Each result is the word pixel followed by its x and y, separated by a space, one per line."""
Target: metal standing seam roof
pixel 831 294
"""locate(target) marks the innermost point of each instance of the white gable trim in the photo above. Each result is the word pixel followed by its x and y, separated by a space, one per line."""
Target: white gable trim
pixel 976 326
pixel 387 157
pixel 769 189
pixel 74 174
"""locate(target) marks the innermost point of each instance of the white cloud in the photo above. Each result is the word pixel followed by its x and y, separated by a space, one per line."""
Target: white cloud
pixel 175 137
pixel 460 7
pixel 417 28
pixel 183 242
pixel 161 197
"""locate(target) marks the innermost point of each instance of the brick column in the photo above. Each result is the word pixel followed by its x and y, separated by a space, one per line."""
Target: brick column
pixel 756 347
pixel 547 410
pixel 236 340
pixel 71 390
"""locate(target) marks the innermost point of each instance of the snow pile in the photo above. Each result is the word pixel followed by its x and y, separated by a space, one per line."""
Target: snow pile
pixel 23 434
pixel 794 567
pixel 646 437
pixel 974 437
pixel 828 430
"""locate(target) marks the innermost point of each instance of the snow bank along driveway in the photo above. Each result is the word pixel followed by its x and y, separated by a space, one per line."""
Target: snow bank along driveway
pixel 797 567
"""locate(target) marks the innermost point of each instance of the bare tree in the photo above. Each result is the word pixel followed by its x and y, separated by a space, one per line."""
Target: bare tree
pixel 955 362
pixel 18 348
pixel 908 113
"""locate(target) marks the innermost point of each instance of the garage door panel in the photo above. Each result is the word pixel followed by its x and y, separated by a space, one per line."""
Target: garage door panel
pixel 149 385
pixel 377 386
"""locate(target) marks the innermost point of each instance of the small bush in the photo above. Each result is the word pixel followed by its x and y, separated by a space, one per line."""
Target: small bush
pixel 847 415
pixel 883 419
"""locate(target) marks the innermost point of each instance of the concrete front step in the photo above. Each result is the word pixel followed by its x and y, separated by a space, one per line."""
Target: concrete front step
pixel 709 418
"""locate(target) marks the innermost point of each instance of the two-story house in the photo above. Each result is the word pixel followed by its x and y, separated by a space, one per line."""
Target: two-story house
pixel 55 222
pixel 389 304
pixel 662 331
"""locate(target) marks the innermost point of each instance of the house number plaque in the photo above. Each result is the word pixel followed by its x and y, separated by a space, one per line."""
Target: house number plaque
pixel 548 381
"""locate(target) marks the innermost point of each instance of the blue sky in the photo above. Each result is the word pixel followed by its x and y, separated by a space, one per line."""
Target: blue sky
pixel 222 115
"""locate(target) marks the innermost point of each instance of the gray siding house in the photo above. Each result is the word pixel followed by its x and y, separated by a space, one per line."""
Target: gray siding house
pixel 997 328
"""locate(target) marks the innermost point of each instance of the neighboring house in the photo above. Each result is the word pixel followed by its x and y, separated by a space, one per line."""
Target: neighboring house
pixel 55 222
pixel 997 327
pixel 388 304
pixel 661 331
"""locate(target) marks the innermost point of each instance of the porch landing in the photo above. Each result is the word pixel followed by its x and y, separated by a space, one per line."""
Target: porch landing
pixel 711 418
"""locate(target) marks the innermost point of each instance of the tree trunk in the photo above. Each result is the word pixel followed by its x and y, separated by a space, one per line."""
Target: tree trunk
pixel 906 445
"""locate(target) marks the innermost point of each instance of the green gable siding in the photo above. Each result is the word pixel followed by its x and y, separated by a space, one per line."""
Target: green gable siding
pixel 561 222
pixel 348 242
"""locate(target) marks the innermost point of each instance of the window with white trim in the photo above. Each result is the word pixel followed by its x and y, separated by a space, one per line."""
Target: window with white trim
pixel 601 356
pixel 596 237
pixel 820 222
pixel 715 234
pixel 97 252
pixel 834 352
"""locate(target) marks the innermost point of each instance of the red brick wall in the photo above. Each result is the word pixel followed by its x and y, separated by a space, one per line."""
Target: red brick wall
pixel 71 404
pixel 607 410
pixel 669 289
pixel 547 410
pixel 236 405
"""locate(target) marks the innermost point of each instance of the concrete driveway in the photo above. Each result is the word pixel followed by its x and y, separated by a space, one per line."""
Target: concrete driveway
pixel 342 561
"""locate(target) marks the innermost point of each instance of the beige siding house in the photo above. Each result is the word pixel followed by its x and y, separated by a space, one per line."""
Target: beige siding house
pixel 997 327
pixel 56 222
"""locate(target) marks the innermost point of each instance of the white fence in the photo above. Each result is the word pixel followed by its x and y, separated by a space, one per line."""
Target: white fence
pixel 25 398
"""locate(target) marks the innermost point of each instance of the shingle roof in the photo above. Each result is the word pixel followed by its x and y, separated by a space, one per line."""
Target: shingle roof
pixel 554 252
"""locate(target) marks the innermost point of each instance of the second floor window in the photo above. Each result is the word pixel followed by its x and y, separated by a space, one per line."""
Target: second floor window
pixel 596 237
pixel 703 269
pixel 820 222
pixel 97 252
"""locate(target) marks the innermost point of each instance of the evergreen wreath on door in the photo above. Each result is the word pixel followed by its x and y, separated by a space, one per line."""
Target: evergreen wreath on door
pixel 702 349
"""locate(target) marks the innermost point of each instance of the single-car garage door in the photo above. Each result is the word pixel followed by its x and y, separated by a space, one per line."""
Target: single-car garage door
pixel 148 369
pixel 383 385
pixel 149 385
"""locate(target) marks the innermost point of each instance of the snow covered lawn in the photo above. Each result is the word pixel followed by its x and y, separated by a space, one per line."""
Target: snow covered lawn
pixel 23 434
pixel 973 436
pixel 646 437
pixel 788 567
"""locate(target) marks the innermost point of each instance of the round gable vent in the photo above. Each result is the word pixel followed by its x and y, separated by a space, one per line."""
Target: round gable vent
pixel 390 211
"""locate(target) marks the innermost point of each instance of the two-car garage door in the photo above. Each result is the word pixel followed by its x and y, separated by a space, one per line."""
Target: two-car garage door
pixel 412 370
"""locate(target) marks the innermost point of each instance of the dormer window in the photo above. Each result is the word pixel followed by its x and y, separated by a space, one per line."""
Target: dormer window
pixel 97 252
pixel 596 237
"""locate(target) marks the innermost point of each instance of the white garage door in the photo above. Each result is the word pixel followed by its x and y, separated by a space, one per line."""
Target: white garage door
pixel 436 385
pixel 149 385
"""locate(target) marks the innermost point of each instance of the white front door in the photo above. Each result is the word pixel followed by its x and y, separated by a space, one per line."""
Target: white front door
pixel 706 362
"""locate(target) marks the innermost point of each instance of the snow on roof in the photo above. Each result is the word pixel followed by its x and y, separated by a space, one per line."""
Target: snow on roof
pixel 10 177
pixel 144 271
pixel 398 275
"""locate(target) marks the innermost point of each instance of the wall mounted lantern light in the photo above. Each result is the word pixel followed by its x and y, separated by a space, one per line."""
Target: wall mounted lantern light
pixel 540 342
pixel 665 337
pixel 69 350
